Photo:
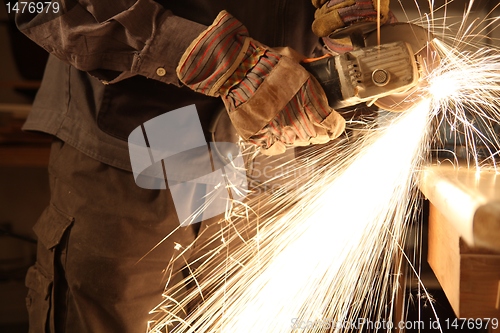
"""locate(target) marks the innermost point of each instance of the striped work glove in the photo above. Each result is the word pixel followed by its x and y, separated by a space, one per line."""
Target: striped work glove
pixel 335 14
pixel 271 99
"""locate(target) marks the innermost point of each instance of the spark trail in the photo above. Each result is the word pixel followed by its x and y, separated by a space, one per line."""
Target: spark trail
pixel 320 263
pixel 466 90
pixel 323 254
pixel 338 240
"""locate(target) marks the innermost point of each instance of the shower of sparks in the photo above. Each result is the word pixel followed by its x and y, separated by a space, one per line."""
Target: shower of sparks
pixel 340 236
pixel 466 88
pixel 322 252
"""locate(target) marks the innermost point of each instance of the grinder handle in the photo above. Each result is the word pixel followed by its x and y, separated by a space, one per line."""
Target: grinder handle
pixel 323 69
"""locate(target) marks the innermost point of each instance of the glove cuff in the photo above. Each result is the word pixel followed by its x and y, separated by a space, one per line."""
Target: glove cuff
pixel 364 11
pixel 322 26
pixel 214 55
pixel 336 14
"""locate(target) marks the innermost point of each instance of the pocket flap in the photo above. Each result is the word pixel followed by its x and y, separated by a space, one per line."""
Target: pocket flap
pixel 51 226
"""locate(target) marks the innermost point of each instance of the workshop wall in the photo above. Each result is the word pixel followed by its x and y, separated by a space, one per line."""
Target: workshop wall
pixel 24 191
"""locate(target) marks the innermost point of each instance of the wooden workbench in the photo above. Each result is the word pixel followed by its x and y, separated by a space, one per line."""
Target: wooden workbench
pixel 464 237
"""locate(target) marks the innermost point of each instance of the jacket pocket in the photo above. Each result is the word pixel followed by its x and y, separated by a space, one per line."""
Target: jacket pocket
pixel 51 227
pixel 42 277
pixel 38 300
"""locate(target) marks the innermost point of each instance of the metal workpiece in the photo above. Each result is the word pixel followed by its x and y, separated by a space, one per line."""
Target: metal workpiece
pixel 469 199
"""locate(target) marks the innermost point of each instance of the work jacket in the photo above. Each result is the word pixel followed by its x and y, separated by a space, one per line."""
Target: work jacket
pixel 112 64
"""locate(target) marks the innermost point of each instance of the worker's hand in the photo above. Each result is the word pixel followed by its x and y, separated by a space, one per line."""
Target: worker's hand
pixel 335 14
pixel 271 99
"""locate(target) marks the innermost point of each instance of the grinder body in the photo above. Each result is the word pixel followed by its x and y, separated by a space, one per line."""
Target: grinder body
pixel 387 74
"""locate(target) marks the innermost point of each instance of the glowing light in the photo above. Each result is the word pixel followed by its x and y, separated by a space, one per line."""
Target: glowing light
pixel 330 236
pixel 444 88
pixel 343 236
pixel 466 91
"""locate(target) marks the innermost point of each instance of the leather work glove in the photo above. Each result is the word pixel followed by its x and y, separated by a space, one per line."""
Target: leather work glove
pixel 335 14
pixel 271 99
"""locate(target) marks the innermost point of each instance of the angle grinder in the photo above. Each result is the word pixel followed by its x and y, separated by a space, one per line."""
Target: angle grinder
pixel 386 68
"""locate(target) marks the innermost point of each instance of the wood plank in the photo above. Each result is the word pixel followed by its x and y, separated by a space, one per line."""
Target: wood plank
pixel 444 255
pixel 24 156
pixel 21 84
pixel 470 200
pixel 479 277
pixel 470 277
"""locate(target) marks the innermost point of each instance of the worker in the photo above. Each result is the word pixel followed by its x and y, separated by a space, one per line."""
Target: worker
pixel 112 67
